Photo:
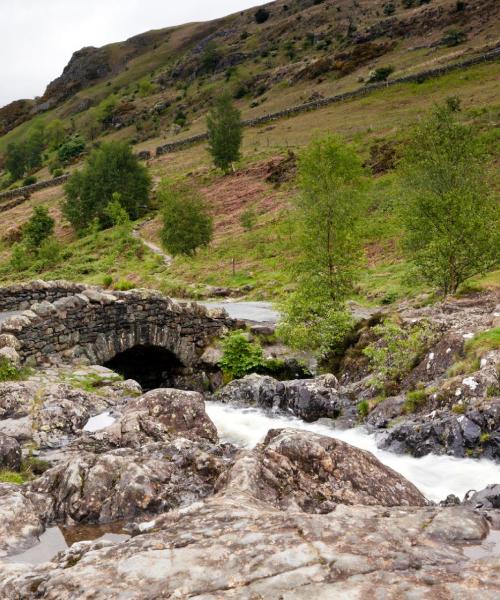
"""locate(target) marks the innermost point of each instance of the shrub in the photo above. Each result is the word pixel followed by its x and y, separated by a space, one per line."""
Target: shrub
pixel 261 16
pixel 380 74
pixel 248 218
pixel 107 281
pixel 49 252
pixel 30 180
pixel 187 224
pixel 389 9
pixel 74 147
pixel 240 357
pixel 9 372
pixel 112 168
pixel 224 132
pixel 57 172
pixel 363 408
pixel 39 227
pixel 396 351
pixel 453 37
pixel 414 400
pixel 20 258
pixel 124 285
pixel 211 57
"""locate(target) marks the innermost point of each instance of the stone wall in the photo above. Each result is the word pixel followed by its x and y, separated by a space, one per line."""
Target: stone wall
pixel 308 106
pixel 21 296
pixel 94 326
pixel 27 190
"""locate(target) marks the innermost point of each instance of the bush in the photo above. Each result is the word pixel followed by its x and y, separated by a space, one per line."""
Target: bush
pixel 9 372
pixel 363 408
pixel 389 9
pixel 380 74
pixel 453 37
pixel 414 400
pixel 248 218
pixel 240 357
pixel 74 147
pixel 187 225
pixel 124 285
pixel 30 180
pixel 396 351
pixel 57 172
pixel 39 227
pixel 107 281
pixel 261 16
pixel 49 253
pixel 112 168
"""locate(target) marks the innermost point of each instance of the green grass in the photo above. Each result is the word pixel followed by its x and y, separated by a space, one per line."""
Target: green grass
pixel 483 342
pixel 414 400
pixel 9 372
pixel 12 477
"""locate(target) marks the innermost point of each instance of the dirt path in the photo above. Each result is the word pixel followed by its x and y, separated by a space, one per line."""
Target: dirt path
pixel 167 259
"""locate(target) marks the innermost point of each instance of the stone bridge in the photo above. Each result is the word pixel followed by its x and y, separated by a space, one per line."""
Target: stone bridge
pixel 141 334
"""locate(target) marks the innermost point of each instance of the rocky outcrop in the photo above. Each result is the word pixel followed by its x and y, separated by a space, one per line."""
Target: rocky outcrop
pixel 489 498
pixel 236 547
pixel 125 483
pixel 309 399
pixel 298 470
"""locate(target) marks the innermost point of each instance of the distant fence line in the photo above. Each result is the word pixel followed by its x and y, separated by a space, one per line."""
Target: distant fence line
pixel 308 106
pixel 26 191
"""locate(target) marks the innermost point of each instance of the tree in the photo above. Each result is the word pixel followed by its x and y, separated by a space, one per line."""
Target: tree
pixel 55 134
pixel 211 57
pixel 186 222
pixel 35 145
pixel 15 160
pixel 224 132
pixel 111 168
pixel 327 211
pixel 451 220
pixel 39 227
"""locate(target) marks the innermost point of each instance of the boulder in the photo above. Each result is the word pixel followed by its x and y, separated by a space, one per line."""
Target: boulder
pixel 298 470
pixel 160 415
pixel 10 453
pixel 123 483
pixel 308 399
pixel 487 498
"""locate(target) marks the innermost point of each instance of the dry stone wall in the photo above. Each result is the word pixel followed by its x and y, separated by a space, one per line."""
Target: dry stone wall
pixel 21 296
pixel 93 326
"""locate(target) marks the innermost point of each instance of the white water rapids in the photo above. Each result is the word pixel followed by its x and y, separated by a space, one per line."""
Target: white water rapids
pixel 435 476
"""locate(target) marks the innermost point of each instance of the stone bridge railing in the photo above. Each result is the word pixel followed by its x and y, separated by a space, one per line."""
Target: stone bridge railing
pixel 22 295
pixel 94 326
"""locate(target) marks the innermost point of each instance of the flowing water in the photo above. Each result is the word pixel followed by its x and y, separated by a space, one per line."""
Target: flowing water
pixel 435 476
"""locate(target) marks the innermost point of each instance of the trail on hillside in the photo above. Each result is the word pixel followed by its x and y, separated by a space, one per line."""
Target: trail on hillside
pixel 136 233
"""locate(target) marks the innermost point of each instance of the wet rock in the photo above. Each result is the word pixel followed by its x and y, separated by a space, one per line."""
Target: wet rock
pixel 294 469
pixel 22 516
pixel 10 453
pixel 487 498
pixel 237 547
pixel 123 483
pixel 159 415
pixel 309 399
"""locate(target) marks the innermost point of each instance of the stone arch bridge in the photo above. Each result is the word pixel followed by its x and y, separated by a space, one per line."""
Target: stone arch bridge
pixel 140 333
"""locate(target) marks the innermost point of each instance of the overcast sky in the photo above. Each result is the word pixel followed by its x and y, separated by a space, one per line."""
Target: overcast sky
pixel 38 37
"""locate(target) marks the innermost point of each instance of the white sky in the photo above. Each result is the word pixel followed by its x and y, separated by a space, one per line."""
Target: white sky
pixel 38 37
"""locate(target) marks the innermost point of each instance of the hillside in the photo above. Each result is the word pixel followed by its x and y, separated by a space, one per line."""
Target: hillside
pixel 156 88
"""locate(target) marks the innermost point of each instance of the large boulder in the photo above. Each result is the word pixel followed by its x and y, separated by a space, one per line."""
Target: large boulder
pixel 236 547
pixel 295 469
pixel 10 453
pixel 488 498
pixel 123 483
pixel 157 416
pixel 309 399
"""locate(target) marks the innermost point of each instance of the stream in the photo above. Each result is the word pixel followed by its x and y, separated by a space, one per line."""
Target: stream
pixel 435 476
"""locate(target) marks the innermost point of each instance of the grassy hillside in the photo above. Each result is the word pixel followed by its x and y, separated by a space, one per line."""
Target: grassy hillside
pixel 256 260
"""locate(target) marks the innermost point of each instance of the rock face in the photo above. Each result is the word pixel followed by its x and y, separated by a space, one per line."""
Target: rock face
pixel 10 453
pixel 236 547
pixel 125 483
pixel 309 399
pixel 297 470
pixel 487 498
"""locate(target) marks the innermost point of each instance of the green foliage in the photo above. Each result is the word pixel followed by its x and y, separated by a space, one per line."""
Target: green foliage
pixel 414 400
pixel 327 211
pixel 70 149
pixel 211 57
pixel 55 134
pixel 484 438
pixel 363 408
pixel 39 227
pixel 380 74
pixel 15 160
pixel 145 88
pixel 261 15
pixel 451 220
pixel 389 9
pixel 123 285
pixel 240 357
pixel 224 132
pixel 396 351
pixel 107 281
pixel 187 224
pixel 453 37
pixel 106 108
pixel 11 477
pixel 49 253
pixel 9 372
pixel 111 168
pixel 30 180
pixel 248 218
pixel 483 342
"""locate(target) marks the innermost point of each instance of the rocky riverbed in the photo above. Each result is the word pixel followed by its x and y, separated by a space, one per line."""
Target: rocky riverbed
pixel 266 489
